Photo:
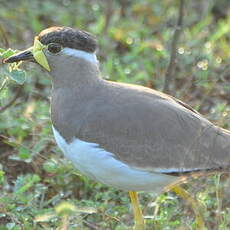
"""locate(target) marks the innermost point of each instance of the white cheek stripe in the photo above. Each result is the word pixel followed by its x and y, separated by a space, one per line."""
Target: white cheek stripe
pixel 81 54
pixel 101 165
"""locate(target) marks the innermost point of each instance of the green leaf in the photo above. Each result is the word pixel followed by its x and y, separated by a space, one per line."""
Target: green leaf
pixel 50 166
pixel 89 210
pixel 2 51
pixel 65 208
pixel 17 75
pixel 4 93
pixel 8 53
pixel 44 217
pixel 24 183
pixel 1 176
pixel 24 153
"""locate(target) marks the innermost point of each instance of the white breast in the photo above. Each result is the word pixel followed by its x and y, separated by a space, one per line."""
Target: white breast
pixel 101 165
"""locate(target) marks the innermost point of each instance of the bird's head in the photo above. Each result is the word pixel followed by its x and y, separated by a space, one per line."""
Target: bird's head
pixel 58 47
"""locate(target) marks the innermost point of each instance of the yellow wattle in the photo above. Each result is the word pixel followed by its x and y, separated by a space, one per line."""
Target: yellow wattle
pixel 40 57
pixel 38 54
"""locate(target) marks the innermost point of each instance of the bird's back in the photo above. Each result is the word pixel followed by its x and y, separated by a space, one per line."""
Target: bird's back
pixel 150 130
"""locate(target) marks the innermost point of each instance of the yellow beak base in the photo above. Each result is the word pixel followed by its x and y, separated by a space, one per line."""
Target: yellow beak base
pixel 38 54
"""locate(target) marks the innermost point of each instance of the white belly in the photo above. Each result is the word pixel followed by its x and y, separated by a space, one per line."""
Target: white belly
pixel 100 165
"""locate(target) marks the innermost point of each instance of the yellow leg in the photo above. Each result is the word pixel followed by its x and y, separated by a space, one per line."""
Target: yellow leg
pixel 139 220
pixel 195 205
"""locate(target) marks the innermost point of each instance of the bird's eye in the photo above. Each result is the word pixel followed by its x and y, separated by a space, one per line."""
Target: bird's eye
pixel 54 48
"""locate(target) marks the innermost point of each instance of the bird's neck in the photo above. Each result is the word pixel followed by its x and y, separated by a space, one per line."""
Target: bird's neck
pixel 74 88
pixel 76 74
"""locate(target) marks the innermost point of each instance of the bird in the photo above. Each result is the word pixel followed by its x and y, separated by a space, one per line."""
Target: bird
pixel 123 135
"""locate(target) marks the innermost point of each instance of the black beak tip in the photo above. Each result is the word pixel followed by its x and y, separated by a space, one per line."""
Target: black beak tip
pixel 21 56
pixel 6 60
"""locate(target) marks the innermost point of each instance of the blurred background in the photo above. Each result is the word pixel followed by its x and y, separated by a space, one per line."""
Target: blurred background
pixel 135 40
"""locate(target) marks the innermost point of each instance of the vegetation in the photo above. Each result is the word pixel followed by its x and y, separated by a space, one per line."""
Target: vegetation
pixel 39 189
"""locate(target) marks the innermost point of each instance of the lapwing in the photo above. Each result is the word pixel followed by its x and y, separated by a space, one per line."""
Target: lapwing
pixel 126 136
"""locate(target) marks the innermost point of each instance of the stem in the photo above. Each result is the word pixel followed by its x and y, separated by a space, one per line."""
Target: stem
pixel 11 102
pixel 3 84
pixel 171 67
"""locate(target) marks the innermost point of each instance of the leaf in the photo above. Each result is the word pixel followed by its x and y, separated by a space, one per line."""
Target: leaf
pixel 65 208
pixel 4 93
pixel 24 152
pixel 89 210
pixel 17 75
pixel 44 217
pixel 24 183
pixel 8 53
pixel 1 176
pixel 40 145
pixel 2 51
pixel 50 166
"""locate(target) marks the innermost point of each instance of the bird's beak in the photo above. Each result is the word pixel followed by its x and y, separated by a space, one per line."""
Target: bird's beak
pixel 34 53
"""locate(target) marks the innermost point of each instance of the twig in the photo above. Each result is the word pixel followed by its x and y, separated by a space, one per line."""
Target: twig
pixel 3 84
pixel 108 14
pixel 90 225
pixel 11 102
pixel 4 36
pixel 124 4
pixel 171 67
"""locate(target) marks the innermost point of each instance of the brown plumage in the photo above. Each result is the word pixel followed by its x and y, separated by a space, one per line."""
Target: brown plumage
pixel 143 128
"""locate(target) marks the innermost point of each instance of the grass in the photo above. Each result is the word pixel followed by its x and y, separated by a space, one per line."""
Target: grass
pixel 39 189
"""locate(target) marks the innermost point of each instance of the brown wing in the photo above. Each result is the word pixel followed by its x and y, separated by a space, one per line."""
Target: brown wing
pixel 150 130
